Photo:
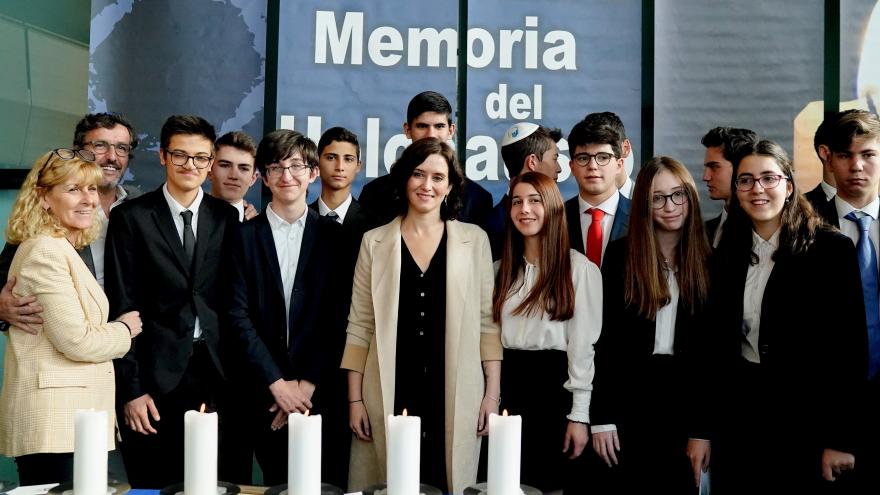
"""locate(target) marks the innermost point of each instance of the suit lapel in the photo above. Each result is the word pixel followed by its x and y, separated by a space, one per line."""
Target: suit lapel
pixel 573 217
pixel 165 225
pixel 205 230
pixel 305 250
pixel 351 216
pixel 266 242
pixel 86 255
pixel 621 219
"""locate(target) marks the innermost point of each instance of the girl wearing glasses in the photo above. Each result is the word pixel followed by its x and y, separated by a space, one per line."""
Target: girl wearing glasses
pixel 548 299
pixel 788 331
pixel 420 330
pixel 656 286
pixel 67 365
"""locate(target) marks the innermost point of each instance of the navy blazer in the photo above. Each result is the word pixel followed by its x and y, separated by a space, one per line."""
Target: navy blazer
pixel 817 197
pixel 257 326
pixel 619 228
pixel 146 270
pixel 813 338
pixel 626 347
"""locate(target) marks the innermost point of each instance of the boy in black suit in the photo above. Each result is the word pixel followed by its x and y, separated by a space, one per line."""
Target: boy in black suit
pixel 163 257
pixel 281 320
pixel 721 145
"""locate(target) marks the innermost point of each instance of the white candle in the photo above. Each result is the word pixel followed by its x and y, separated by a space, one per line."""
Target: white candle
pixel 505 446
pixel 200 453
pixel 404 441
pixel 90 452
pixel 304 454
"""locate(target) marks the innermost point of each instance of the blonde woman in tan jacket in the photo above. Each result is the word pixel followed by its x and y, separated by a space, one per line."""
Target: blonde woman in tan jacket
pixel 67 365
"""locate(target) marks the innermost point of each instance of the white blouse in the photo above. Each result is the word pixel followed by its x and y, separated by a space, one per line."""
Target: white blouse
pixel 576 336
pixel 664 327
pixel 756 281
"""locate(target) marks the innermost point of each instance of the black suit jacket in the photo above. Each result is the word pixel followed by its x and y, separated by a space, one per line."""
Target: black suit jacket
pixel 146 271
pixel 619 228
pixel 817 197
pixel 257 323
pixel 625 349
pixel 812 344
pixel 712 227
pixel 377 196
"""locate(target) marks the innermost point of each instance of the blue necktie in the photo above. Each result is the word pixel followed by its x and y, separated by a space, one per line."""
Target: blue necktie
pixel 868 266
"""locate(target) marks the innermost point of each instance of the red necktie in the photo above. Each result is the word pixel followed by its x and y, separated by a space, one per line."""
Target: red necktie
pixel 594 236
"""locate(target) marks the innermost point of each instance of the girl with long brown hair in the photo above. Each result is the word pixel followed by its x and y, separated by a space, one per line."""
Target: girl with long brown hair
pixel 655 284
pixel 548 299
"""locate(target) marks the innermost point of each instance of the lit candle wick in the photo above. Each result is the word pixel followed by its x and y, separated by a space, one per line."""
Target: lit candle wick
pixel 404 411
pixel 203 408
pixel 504 413
pixel 307 413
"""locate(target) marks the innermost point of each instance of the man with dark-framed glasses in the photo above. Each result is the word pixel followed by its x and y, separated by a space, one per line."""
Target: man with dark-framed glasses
pixel 109 139
pixel 166 252
pixel 599 213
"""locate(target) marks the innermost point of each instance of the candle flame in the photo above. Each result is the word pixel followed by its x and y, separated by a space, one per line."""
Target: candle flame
pixel 203 408
pixel 307 413
pixel 404 411
pixel 504 413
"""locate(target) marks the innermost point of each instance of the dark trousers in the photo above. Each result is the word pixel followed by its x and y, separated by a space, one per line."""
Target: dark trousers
pixel 42 469
pixel 156 460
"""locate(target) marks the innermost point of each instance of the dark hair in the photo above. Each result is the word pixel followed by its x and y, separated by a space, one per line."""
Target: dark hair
pixel 644 280
pixel 282 144
pixel 553 292
pixel 238 140
pixel 536 143
pixel 428 101
pixel 730 140
pixel 413 156
pixel 104 120
pixel 608 120
pixel 191 125
pixel 583 133
pixel 798 221
pixel 340 134
pixel 854 124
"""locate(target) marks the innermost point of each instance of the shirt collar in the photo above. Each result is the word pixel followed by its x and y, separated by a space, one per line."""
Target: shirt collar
pixel 276 222
pixel 177 208
pixel 240 207
pixel 760 244
pixel 340 210
pixel 609 206
pixel 828 189
pixel 872 209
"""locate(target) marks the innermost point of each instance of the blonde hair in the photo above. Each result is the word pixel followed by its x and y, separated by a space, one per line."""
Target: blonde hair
pixel 29 218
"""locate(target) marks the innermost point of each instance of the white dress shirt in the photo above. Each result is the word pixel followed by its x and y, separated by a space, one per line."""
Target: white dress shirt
pixel 340 210
pixel 576 336
pixel 627 188
pixel 288 243
pixel 829 190
pixel 240 207
pixel 664 332
pixel 176 209
pixel 756 281
pixel 97 246
pixel 850 228
pixel 609 206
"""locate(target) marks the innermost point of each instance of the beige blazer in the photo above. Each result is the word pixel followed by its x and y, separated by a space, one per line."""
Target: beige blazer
pixel 471 337
pixel 67 365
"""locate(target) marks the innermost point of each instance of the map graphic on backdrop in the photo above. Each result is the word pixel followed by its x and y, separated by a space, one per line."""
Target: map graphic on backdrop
pixel 149 59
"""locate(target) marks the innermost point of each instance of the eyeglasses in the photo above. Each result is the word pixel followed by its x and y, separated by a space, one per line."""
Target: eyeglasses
pixel 677 198
pixel 69 154
pixel 746 183
pixel 180 158
pixel 602 158
pixel 296 170
pixel 101 147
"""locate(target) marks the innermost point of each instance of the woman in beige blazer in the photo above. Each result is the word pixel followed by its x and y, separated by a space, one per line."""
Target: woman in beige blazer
pixel 405 347
pixel 67 364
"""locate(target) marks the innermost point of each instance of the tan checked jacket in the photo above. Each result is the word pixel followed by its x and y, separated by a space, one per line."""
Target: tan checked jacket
pixel 67 365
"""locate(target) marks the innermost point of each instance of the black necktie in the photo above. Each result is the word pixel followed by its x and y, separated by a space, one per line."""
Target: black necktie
pixel 333 216
pixel 189 238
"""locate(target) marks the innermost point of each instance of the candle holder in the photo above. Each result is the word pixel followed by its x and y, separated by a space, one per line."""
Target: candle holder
pixel 223 488
pixel 481 489
pixel 114 487
pixel 382 489
pixel 326 489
